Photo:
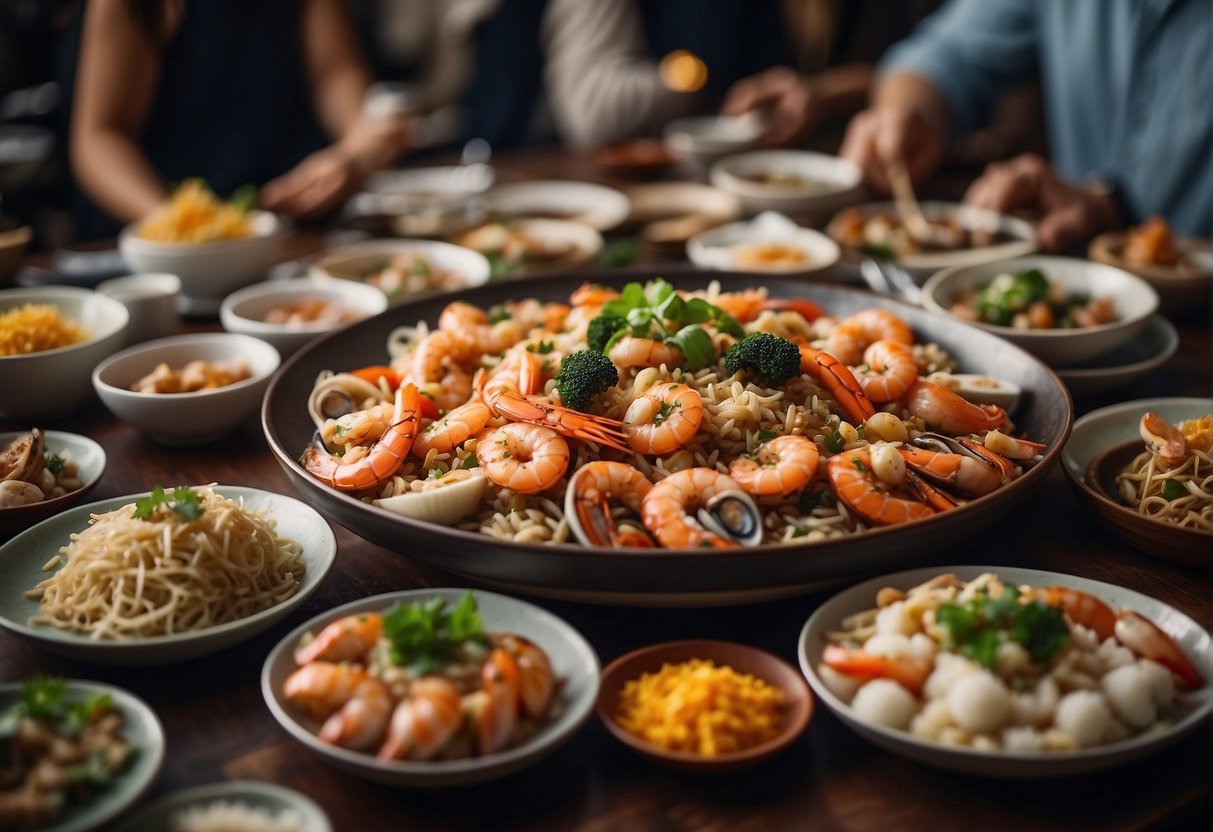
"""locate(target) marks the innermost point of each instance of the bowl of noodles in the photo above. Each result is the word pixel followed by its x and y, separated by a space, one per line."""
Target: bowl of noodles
pixel 215 247
pixel 1161 506
pixel 527 541
pixel 162 576
pixel 51 338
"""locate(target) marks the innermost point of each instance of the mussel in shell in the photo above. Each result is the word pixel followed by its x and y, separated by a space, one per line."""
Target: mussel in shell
pixel 733 515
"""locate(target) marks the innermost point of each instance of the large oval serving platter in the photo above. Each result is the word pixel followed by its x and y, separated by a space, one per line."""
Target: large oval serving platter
pixel 662 577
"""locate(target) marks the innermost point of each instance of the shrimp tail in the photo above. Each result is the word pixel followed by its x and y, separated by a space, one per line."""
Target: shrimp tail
pixel 565 421
pixel 839 381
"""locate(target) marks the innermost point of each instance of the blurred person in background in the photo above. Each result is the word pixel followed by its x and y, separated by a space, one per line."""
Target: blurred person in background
pixel 1126 90
pixel 269 93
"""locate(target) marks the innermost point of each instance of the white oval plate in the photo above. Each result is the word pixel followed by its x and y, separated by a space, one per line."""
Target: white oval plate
pixel 254 794
pixel 572 657
pixel 140 727
pixel 22 558
pixel 1190 635
pixel 597 206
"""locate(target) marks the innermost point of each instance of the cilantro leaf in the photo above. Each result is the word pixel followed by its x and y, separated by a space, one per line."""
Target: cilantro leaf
pixel 425 634
pixel 54 464
pixel 43 696
pixel 183 502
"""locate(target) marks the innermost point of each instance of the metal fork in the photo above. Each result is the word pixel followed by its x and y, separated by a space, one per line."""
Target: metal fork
pixel 885 277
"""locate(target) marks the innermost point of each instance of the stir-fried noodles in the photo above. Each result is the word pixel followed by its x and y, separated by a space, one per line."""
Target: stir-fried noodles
pixel 1172 480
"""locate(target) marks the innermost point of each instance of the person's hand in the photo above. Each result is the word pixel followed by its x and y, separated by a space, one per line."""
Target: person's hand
pixel 1071 214
pixel 885 135
pixel 314 187
pixel 787 97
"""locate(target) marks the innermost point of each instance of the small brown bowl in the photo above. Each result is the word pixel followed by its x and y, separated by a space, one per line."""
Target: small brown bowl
pixel 1179 287
pixel 743 659
pixel 1101 445
pixel 90 459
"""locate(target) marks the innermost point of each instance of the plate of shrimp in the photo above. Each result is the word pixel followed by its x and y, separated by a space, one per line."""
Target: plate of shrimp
pixel 643 442
pixel 432 687
pixel 1008 672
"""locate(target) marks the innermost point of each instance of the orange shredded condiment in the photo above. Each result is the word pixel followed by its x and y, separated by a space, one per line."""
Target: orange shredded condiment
pixel 700 708
pixel 36 327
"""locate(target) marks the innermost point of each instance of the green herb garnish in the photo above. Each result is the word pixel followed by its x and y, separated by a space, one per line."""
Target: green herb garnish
pixel 765 435
pixel 471 461
pixel 1172 490
pixel 834 442
pixel 664 411
pixel 976 628
pixel 543 347
pixel 54 464
pixel 244 198
pixel 184 503
pixel 424 635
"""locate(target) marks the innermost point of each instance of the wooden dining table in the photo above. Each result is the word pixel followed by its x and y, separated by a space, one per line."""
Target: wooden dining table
pixel 219 728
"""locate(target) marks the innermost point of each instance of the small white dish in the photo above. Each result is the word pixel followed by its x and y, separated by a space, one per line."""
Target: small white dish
pixel 572 658
pixel 790 181
pixel 207 270
pixel 141 728
pixel 597 206
pixel 697 141
pixel 1135 359
pixel 152 301
pixel 771 242
pixel 1135 303
pixel 244 311
pixel 1190 635
pixel 427 202
pixel 357 261
pixel 90 464
pixel 186 418
pixel 577 243
pixel 254 794
pixel 24 556
pixel 51 383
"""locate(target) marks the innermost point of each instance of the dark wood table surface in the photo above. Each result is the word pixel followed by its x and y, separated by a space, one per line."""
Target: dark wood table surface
pixel 219 728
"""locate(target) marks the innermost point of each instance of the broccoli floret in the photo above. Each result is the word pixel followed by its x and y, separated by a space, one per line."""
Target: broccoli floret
pixel 584 375
pixel 770 357
pixel 601 329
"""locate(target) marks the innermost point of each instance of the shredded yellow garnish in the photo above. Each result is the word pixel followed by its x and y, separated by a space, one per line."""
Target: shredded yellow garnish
pixel 195 215
pixel 700 708
pixel 36 327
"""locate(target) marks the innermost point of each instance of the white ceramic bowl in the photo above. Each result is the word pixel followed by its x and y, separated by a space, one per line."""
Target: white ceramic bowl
pixel 1189 634
pixel 353 262
pixel 427 202
pixel 1021 236
pixel 698 141
pixel 832 183
pixel 52 383
pixel 598 206
pixel 1135 303
pixel 153 301
pixel 244 311
pixel 186 418
pixel 721 247
pixel 582 242
pixel 254 794
pixel 90 465
pixel 1131 361
pixel 207 270
pixel 24 556
pixel 572 658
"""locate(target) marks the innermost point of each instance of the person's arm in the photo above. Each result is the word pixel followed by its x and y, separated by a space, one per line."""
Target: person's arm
pixel 339 79
pixel 115 81
pixel 797 104
pixel 943 81
pixel 601 86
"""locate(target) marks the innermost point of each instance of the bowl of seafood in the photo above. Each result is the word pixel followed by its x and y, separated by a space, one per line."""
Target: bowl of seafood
pixel 1146 468
pixel 1179 268
pixel 187 389
pixel 960 236
pixel 696 469
pixel 790 181
pixel 1008 672
pixel 527 245
pixel 51 338
pixel 289 313
pixel 43 472
pixel 404 269
pixel 446 686
pixel 740 706
pixel 1061 309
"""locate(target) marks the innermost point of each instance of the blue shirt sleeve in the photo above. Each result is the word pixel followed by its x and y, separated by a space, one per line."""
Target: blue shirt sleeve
pixel 975 52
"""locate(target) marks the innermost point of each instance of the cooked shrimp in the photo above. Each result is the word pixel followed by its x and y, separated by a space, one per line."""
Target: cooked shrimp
pixel 663 419
pixel 452 430
pixel 784 465
pixel 495 717
pixel 857 332
pixel 433 368
pixel 854 483
pixel 667 509
pixel 565 421
pixel 910 672
pixel 424 721
pixel 839 382
pixel 360 427
pixel 966 474
pixel 593 487
pixel 1164 440
pixel 346 639
pixel 524 458
pixel 474 333
pixel 362 467
pixel 748 304
pixel 536 682
pixel 353 703
pixel 947 412
pixel 630 351
pixel 593 294
pixel 889 371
